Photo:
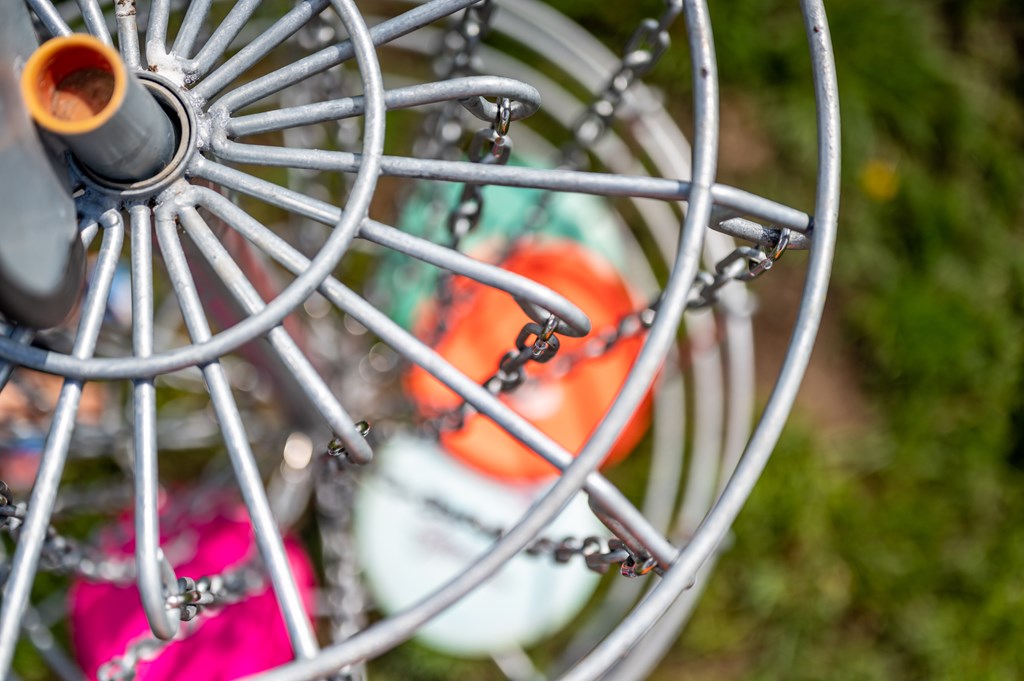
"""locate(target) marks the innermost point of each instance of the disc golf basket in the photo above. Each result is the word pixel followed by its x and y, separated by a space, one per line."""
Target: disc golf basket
pixel 278 323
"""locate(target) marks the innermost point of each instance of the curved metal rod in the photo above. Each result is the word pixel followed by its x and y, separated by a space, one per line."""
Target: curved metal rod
pixel 294 295
pixel 472 89
pixel 320 396
pixel 277 80
pixel 128 35
pixel 148 555
pixel 573 321
pixel 769 428
pixel 51 462
pixel 268 539
pixel 669 151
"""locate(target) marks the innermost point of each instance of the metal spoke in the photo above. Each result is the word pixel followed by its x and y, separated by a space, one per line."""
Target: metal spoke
pixel 281 30
pixel 50 17
pixel 246 472
pixel 128 34
pixel 575 181
pixel 148 555
pixel 51 463
pixel 525 98
pixel 521 288
pixel 227 30
pixel 748 230
pixel 156 31
pixel 320 396
pixel 318 62
pixel 191 25
pixel 95 22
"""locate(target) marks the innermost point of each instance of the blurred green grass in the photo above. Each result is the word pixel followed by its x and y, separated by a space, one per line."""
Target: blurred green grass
pixel 895 551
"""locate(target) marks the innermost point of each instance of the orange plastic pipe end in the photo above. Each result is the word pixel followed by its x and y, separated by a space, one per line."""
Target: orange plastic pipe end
pixel 73 84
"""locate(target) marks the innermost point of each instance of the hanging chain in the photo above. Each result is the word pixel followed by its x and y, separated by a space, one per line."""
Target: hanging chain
pixel 745 263
pixel 598 554
pixel 345 594
pixel 61 554
pixel 645 47
pixel 511 371
pixel 334 494
pixel 643 50
pixel 231 586
pixel 335 498
pixel 192 599
pixel 605 340
pixel 490 146
pixel 124 667
pixel 443 129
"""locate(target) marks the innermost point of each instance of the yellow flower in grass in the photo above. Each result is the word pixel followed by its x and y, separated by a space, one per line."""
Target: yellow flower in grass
pixel 879 180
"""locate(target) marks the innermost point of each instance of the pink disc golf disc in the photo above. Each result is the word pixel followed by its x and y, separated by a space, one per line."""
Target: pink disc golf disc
pixel 228 642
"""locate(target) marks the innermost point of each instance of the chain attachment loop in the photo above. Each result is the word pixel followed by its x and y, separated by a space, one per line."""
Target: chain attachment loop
pixel 336 448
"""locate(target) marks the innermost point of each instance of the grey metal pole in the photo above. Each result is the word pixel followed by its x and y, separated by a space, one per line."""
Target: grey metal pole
pixel 42 263
pixel 78 88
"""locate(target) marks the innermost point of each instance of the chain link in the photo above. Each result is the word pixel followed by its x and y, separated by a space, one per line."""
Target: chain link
pixel 745 263
pixel 511 371
pixel 192 598
pixel 336 448
pixel 605 340
pixel 231 586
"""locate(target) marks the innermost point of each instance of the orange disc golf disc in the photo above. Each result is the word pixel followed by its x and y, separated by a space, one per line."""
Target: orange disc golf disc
pixel 566 397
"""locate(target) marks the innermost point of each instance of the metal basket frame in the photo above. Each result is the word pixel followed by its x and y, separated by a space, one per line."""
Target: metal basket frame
pixel 707 203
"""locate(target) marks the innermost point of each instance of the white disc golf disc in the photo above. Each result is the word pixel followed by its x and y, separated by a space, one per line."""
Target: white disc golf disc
pixel 409 548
